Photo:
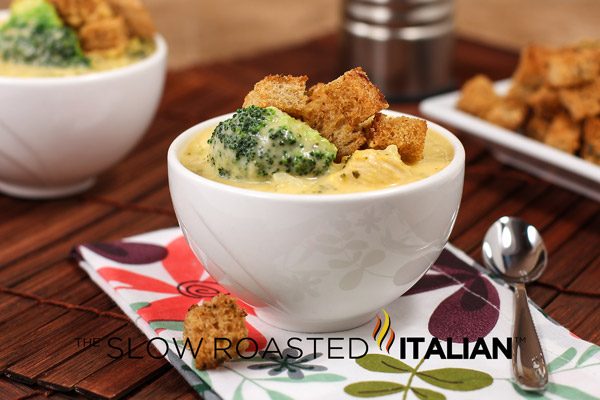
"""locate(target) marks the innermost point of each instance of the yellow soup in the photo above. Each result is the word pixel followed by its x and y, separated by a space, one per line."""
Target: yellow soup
pixel 136 50
pixel 365 170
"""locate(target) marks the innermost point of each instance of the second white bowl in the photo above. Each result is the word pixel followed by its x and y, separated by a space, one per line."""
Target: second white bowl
pixel 57 134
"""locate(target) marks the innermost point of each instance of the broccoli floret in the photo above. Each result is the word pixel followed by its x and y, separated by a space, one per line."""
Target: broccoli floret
pixel 36 12
pixel 34 34
pixel 43 46
pixel 257 142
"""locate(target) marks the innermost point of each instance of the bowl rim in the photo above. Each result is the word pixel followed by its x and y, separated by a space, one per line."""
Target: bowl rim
pixel 175 166
pixel 159 54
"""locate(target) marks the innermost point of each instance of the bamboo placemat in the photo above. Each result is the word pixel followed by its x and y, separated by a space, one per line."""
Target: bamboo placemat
pixel 47 301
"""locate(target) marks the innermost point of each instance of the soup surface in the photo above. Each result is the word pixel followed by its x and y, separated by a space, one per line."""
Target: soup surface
pixel 136 50
pixel 365 170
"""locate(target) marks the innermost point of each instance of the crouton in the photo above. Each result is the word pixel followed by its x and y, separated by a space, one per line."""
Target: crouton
pixel 545 101
pixel 408 134
pixel 521 92
pixel 355 95
pixel 591 140
pixel 477 96
pixel 103 35
pixel 564 134
pixel 220 317
pixel 337 109
pixel 137 18
pixel 509 113
pixel 571 67
pixel 529 75
pixel 532 65
pixel 76 13
pixel 537 127
pixel 285 92
pixel 314 87
pixel 583 101
pixel 347 141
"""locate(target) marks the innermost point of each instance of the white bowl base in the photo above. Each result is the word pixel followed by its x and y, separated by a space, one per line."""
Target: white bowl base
pixel 317 326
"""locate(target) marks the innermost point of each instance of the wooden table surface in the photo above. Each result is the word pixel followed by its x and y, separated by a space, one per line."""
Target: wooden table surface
pixel 47 301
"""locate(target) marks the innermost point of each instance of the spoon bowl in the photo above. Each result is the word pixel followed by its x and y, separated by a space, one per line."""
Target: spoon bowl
pixel 514 250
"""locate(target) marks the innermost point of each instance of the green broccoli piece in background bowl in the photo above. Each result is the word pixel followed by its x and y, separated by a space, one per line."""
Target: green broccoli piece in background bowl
pixel 257 142
pixel 36 12
pixel 38 45
pixel 34 34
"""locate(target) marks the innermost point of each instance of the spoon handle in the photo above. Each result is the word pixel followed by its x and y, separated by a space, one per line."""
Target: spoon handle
pixel 529 365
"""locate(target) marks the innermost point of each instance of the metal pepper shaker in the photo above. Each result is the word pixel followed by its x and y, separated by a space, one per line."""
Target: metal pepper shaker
pixel 405 46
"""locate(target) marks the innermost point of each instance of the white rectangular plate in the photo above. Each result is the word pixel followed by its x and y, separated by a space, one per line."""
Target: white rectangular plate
pixel 518 150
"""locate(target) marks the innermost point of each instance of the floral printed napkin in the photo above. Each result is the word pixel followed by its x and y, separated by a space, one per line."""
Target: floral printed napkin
pixel 155 278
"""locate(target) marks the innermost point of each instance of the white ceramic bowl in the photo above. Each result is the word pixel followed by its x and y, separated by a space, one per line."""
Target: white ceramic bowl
pixel 57 134
pixel 316 263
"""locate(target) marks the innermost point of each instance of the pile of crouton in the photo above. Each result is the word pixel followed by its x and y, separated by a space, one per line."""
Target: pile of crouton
pixel 554 98
pixel 106 25
pixel 345 111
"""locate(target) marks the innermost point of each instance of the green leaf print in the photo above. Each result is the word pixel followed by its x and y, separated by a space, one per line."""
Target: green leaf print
pixel 373 388
pixel 202 388
pixel 324 377
pixel 589 353
pixel 456 378
pixel 569 392
pixel 170 325
pixel 275 395
pixel 237 395
pixel 562 360
pixel 426 394
pixel 138 305
pixel 203 375
pixel 383 363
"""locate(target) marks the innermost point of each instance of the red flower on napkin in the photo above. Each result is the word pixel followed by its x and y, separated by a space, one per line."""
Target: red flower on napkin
pixel 193 283
pixel 470 312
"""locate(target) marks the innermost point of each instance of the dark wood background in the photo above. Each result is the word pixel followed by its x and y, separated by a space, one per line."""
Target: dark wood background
pixel 47 301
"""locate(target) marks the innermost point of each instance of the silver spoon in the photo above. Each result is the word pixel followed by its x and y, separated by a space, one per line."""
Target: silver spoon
pixel 514 250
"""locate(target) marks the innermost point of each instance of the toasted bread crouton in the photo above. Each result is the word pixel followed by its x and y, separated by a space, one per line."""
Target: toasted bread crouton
pixel 354 95
pixel 564 134
pixel 285 92
pixel 509 113
pixel 337 109
pixel 314 87
pixel 477 96
pixel 347 141
pixel 137 18
pixel 591 140
pixel 532 65
pixel 571 67
pixel 220 317
pixel 521 92
pixel 408 134
pixel 76 13
pixel 107 34
pixel 537 127
pixel 545 101
pixel 529 74
pixel 583 101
